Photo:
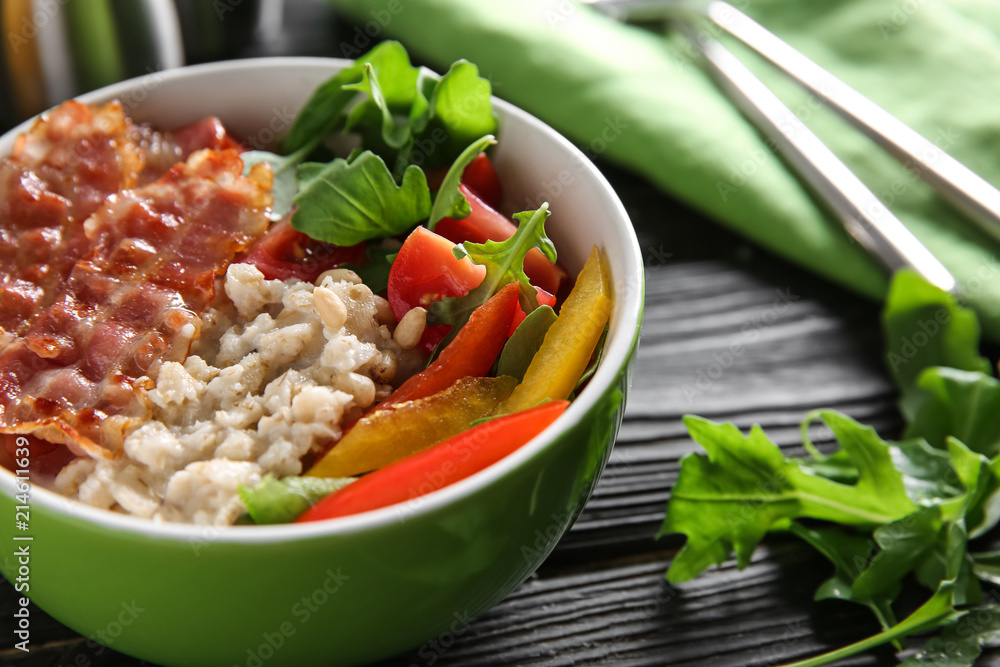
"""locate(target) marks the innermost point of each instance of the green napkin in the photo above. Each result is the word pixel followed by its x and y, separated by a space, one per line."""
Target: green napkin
pixel 642 100
pixel 94 39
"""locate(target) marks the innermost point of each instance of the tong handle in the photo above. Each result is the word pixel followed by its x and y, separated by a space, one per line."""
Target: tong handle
pixel 862 213
pixel 959 185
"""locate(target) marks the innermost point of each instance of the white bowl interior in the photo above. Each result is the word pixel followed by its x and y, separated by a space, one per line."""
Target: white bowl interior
pixel 535 163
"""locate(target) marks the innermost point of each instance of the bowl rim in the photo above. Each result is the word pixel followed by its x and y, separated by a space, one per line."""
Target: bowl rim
pixel 628 308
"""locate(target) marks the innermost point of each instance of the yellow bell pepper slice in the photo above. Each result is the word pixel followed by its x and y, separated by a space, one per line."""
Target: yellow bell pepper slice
pixel 569 343
pixel 388 435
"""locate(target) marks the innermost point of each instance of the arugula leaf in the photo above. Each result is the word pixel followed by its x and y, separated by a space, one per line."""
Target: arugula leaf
pixel 282 501
pixel 947 559
pixel 849 553
pixel 952 402
pixel 902 545
pixel 986 566
pixel 285 186
pixel 924 327
pixel 375 271
pixel 395 133
pixel 960 644
pixel 449 202
pixel 521 347
pixel 927 472
pixel 929 542
pixel 461 105
pixel 728 499
pixel 348 202
pixel 973 471
pixel 403 113
pixel 323 112
pixel 984 514
pixel 504 262
pixel 948 470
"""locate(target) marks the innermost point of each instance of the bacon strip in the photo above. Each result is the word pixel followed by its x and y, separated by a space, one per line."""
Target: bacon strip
pixel 59 173
pixel 131 302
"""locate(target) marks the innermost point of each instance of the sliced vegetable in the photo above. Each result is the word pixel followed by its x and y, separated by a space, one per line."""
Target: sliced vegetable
pixel 595 361
pixel 482 179
pixel 524 342
pixel 569 342
pixel 504 262
pixel 454 459
pixel 284 252
pixel 386 436
pixel 479 176
pixel 426 270
pixel 282 501
pixel 483 223
pixel 470 354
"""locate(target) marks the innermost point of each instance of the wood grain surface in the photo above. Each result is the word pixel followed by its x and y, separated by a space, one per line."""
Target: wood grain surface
pixel 731 333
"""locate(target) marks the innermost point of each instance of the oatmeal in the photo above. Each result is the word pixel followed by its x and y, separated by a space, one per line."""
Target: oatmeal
pixel 279 368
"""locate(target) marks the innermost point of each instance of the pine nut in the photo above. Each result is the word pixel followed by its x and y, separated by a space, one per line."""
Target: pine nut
pixel 363 389
pixel 339 275
pixel 330 308
pixel 385 368
pixel 383 311
pixel 411 328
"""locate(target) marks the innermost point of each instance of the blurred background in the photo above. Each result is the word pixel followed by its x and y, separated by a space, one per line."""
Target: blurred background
pixel 55 49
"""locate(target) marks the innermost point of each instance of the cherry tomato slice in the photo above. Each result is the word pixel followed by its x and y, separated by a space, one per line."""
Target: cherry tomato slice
pixel 479 176
pixel 426 270
pixel 284 252
pixel 482 179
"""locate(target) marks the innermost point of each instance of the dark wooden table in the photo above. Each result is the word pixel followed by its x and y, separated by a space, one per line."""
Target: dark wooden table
pixel 601 597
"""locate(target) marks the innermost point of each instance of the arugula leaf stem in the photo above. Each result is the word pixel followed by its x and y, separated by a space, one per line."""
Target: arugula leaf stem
pixel 293 159
pixel 807 442
pixel 449 202
pixel 936 611
pixel 863 516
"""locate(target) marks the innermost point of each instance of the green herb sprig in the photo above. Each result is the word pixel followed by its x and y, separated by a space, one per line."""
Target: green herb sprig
pixel 883 513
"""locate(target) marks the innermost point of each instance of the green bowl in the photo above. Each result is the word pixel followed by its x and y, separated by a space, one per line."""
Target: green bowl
pixel 365 587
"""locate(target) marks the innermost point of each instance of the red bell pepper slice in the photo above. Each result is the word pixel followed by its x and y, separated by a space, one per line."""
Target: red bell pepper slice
pixel 454 459
pixel 470 354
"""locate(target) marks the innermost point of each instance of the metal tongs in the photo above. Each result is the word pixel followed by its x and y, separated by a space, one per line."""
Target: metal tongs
pixel 862 213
